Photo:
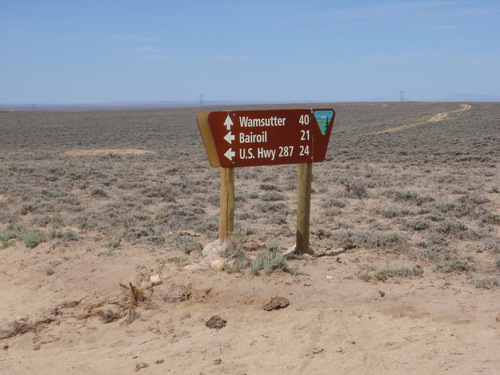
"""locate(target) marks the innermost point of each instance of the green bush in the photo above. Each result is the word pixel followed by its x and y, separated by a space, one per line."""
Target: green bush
pixel 273 245
pixel 6 243
pixel 383 240
pixel 487 283
pixel 7 235
pixel 493 219
pixel 269 261
pixel 492 246
pixel 407 196
pixel 31 239
pixel 417 224
pixel 358 189
pixel 434 253
pixel 69 235
pixel 387 272
pixel 115 241
pixel 273 207
pixel 450 227
pixel 454 265
pixel 49 271
pixel 272 196
pixel 187 244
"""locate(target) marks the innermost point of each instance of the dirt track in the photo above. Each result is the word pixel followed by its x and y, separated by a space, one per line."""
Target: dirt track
pixel 436 118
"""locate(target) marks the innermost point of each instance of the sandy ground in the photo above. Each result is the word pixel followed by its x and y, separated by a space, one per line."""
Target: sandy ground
pixel 336 323
pixel 125 151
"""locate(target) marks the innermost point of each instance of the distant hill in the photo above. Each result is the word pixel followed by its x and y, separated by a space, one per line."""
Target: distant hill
pixel 121 105
pixel 107 106
pixel 471 98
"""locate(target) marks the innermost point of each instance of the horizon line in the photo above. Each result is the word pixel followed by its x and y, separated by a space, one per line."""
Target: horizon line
pixel 152 104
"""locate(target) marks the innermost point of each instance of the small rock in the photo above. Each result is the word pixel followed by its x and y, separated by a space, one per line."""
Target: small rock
pixel 212 247
pixel 217 264
pixel 140 365
pixel 178 296
pixel 252 245
pixel 382 293
pixel 155 279
pixel 350 245
pixel 216 322
pixel 193 267
pixel 146 285
pixel 291 252
pixel 109 315
pixel 276 303
pixel 217 361
pixel 186 316
pixel 317 350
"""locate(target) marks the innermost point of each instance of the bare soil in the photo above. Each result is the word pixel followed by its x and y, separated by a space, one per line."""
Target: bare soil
pixel 86 299
pixel 335 323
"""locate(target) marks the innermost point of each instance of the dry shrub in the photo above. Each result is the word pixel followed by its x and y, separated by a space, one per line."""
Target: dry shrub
pixel 132 297
pixel 20 328
pixel 355 188
pixel 178 294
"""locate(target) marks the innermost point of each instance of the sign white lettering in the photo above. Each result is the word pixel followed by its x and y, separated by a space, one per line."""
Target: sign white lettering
pixel 253 138
pixel 246 121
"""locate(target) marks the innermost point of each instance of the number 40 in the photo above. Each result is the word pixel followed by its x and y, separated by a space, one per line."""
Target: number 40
pixel 304 120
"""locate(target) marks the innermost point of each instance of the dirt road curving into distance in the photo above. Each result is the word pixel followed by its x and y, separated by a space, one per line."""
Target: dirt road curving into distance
pixel 436 118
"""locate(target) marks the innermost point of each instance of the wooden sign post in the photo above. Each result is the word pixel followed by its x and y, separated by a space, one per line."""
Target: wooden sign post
pixel 266 137
pixel 303 207
pixel 226 203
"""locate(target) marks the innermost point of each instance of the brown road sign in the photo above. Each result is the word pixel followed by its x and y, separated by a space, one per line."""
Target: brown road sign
pixel 266 137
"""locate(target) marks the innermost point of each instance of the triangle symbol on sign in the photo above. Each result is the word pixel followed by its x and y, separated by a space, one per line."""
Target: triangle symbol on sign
pixel 324 119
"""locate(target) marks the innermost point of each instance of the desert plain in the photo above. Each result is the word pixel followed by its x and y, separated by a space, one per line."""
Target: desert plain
pixel 104 216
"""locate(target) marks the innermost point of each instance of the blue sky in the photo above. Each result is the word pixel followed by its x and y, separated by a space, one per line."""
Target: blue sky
pixel 75 51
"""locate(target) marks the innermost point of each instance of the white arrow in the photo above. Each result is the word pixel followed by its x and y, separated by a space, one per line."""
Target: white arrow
pixel 229 137
pixel 230 154
pixel 228 123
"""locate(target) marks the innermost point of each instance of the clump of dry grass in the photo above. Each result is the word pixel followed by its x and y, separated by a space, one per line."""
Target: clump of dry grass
pixel 110 311
pixel 21 327
pixel 385 273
